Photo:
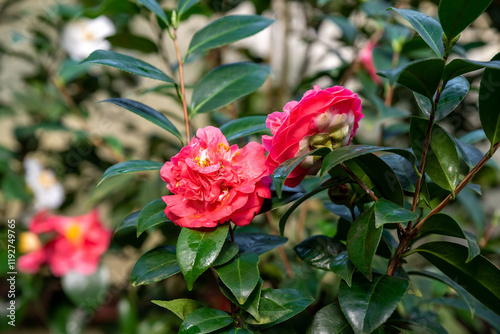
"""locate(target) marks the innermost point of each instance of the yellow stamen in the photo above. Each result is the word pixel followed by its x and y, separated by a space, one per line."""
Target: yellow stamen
pixel 74 233
pixel 46 178
pixel 29 242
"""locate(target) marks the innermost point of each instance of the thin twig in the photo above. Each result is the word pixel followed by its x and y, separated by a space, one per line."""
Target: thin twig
pixel 358 180
pixel 183 93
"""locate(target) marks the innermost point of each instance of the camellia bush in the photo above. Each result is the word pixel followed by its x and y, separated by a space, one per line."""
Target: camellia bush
pixel 393 256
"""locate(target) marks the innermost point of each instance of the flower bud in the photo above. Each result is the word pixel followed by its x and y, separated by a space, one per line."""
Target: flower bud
pixel 342 194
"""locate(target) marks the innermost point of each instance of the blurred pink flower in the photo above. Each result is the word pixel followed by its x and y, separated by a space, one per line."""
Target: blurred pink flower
pixel 322 118
pixel 213 183
pixel 366 59
pixel 75 243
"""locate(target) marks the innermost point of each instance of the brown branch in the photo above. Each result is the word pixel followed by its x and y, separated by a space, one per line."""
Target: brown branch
pixel 358 180
pixel 183 93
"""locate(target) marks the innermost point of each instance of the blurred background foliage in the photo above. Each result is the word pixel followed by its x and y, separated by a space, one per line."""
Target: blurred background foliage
pixel 49 111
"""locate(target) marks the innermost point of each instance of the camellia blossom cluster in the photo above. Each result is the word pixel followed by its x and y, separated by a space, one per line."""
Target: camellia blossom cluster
pixel 81 37
pixel 322 118
pixel 212 182
pixel 64 243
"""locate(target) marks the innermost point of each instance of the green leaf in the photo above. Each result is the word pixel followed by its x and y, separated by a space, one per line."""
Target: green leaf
pixel 404 170
pixel 227 253
pixel 127 64
pixel 273 301
pixel 421 76
pixel 227 83
pixel 488 103
pixel 451 96
pixel 184 5
pixel 459 66
pixel 258 243
pixel 469 153
pixel 152 215
pixel 456 15
pixel 205 320
pixel 227 30
pixel 367 305
pixel 479 276
pixel 129 41
pixel 343 267
pixel 86 291
pixel 381 175
pixel 352 151
pixel 329 320
pixel 197 249
pixel 155 265
pixel 153 6
pixel 442 162
pixel 428 28
pixel 241 275
pixel 131 166
pixel 181 307
pixel 461 291
pixel 443 224
pixel 362 241
pixel 129 222
pixel 319 251
pixel 387 212
pixel 147 113
pixel 284 169
pixel 244 126
pixel 252 303
pixel 237 331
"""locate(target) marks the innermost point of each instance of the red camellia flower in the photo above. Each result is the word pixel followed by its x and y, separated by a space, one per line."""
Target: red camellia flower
pixel 212 182
pixel 322 118
pixel 366 59
pixel 74 243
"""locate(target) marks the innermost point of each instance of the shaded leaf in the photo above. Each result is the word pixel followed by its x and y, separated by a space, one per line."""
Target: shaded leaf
pixel 258 243
pixel 387 212
pixel 131 166
pixel 129 222
pixel 244 126
pixel 252 303
pixel 319 251
pixel 329 320
pixel 227 253
pixel 155 265
pixel 488 103
pixel 153 6
pixel 342 266
pixel 205 320
pixel 152 215
pixel 460 66
pixel 241 275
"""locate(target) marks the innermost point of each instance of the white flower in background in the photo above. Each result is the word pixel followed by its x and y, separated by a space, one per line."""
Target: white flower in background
pixel 81 37
pixel 48 192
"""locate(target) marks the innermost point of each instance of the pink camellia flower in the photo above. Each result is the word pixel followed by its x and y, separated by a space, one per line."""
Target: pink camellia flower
pixel 74 243
pixel 366 59
pixel 213 183
pixel 322 118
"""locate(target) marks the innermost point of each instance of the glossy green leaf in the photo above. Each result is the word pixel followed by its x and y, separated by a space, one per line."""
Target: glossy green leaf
pixel 488 103
pixel 342 266
pixel 479 276
pixel 226 30
pixel 469 153
pixel 319 251
pixel 454 92
pixel 184 5
pixel 284 169
pixel 329 320
pixel 258 243
pixel 147 113
pixel 443 224
pixel 381 175
pixel 456 15
pixel 252 303
pixel 127 64
pixel 352 151
pixel 442 162
pixel 387 212
pixel 129 222
pixel 197 249
pixel 227 83
pixel 460 66
pixel 131 166
pixel 404 170
pixel 288 195
pixel 428 28
pixel 241 275
pixel 244 126
pixel 205 320
pixel 152 215
pixel 153 6
pixel 181 307
pixel 279 305
pixel 86 291
pixel 155 265
pixel 467 297
pixel 421 76
pixel 227 253
pixel 362 241
pixel 318 189
pixel 367 305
